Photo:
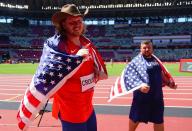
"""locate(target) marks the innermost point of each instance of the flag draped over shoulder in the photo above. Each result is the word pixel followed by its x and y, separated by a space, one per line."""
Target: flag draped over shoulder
pixel 53 71
pixel 100 68
pixel 134 76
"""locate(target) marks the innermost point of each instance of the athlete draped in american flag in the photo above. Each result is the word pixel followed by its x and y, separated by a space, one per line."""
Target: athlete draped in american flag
pixel 145 76
pixel 68 70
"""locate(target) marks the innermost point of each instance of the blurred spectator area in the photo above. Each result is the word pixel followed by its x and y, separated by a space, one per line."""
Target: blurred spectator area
pixel 4 41
pixel 172 41
pixel 25 55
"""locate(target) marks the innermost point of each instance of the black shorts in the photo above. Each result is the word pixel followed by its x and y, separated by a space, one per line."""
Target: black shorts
pixel 147 111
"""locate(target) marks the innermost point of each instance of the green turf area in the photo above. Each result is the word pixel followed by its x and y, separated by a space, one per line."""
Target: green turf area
pixel 173 68
pixel 18 68
pixel 114 70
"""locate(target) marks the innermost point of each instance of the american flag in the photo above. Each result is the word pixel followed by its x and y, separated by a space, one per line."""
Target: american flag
pixel 53 71
pixel 134 76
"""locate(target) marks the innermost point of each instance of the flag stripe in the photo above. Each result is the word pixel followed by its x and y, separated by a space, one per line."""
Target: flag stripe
pixel 96 60
pixel 163 67
pixel 39 96
pixel 23 118
pixel 113 93
pixel 21 125
pixel 119 86
pixel 26 112
pixel 130 80
pixel 28 105
pixel 54 69
pixel 34 101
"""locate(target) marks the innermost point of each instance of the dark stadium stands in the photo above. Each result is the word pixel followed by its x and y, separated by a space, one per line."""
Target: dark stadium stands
pixel 172 39
pixel 115 29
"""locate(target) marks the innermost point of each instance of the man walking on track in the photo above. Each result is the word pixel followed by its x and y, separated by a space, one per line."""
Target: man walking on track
pixel 147 104
pixel 70 67
pixel 145 76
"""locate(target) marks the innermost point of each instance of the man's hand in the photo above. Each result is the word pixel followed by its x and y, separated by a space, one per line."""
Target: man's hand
pixel 83 52
pixel 172 85
pixel 144 89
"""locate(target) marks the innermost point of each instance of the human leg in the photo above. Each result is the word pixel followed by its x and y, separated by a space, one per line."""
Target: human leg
pixel 132 125
pixel 68 126
pixel 157 115
pixel 158 127
pixel 92 122
pixel 89 125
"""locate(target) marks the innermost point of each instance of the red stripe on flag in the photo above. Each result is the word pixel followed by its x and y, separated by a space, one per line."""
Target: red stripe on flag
pixel 119 86
pixel 113 93
pixel 32 100
pixel 98 63
pixel 21 125
pixel 18 116
pixel 26 112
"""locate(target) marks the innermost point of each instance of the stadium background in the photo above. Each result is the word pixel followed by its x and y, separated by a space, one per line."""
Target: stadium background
pixel 116 27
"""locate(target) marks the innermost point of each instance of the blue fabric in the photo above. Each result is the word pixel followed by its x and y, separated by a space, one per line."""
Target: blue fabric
pixel 149 107
pixel 89 125
pixel 54 67
pixel 135 73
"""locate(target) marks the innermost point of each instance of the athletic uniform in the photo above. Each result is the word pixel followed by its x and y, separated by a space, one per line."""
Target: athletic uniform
pixel 149 107
pixel 73 102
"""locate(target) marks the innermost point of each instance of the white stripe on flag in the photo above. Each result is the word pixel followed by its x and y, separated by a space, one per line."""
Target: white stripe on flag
pixel 116 91
pixel 28 105
pixel 96 60
pixel 24 118
pixel 36 93
pixel 122 82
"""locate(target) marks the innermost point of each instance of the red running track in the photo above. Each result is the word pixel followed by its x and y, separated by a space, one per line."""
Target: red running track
pixel 105 123
pixel 12 88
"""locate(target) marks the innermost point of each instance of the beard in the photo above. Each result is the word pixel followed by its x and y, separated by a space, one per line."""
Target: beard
pixel 75 31
pixel 147 54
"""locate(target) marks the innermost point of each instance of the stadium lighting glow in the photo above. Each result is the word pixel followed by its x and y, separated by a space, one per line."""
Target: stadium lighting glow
pixel 131 5
pixel 14 6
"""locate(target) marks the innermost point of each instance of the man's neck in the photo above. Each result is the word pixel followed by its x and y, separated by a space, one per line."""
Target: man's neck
pixel 75 40
pixel 149 56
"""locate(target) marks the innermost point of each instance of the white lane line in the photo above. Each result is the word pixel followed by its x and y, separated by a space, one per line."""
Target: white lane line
pixel 97 86
pixel 183 88
pixel 12 98
pixel 108 104
pixel 177 89
pixel 10 94
pixel 186 99
pixel 52 126
pixel 14 84
pixel 180 93
pixel 12 89
pixel 179 86
pixel 128 98
pixel 116 105
pixel 95 92
pixel 8 125
pixel 96 89
pixel 179 99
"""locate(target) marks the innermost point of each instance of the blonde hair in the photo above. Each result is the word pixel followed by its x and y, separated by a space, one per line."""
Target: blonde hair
pixel 146 42
pixel 60 30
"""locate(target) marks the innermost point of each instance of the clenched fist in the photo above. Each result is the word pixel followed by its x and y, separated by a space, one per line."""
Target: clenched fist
pixel 83 52
pixel 144 89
